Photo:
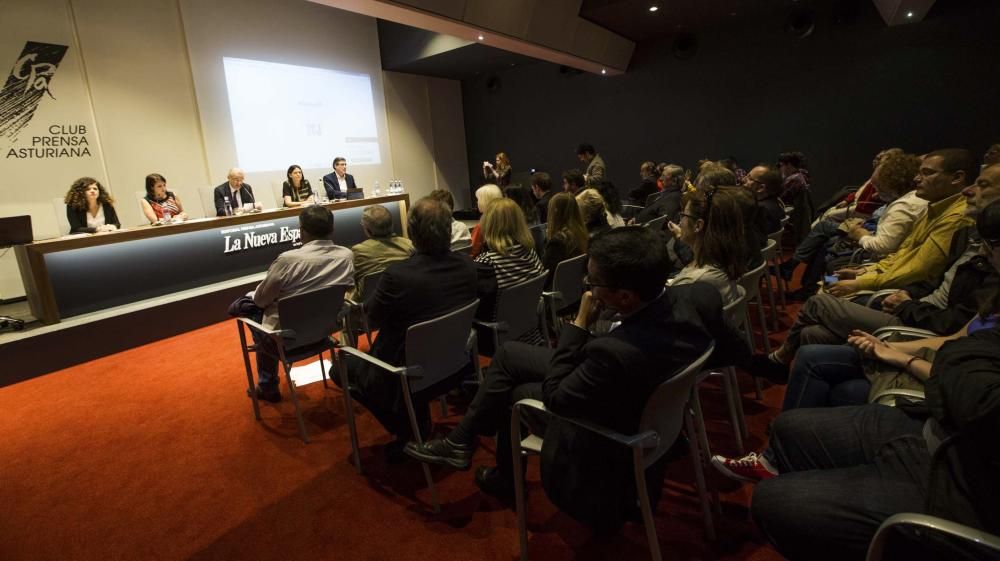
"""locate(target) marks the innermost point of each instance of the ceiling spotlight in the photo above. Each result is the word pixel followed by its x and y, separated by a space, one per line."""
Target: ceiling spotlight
pixel 481 37
pixel 603 71
pixel 653 8
pixel 909 14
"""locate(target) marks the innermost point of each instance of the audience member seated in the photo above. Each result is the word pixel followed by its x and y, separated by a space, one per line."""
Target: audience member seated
pixel 296 190
pixel 942 305
pixel 316 264
pixel 712 226
pixel 612 203
pixel 239 193
pixel 565 235
pixel 764 182
pixel 856 203
pixel 712 174
pixel 460 235
pixel 893 181
pixel 647 185
pixel 525 200
pixel 831 476
pixel 605 379
pixel 90 208
pixel 992 155
pixel 732 165
pixel 160 204
pixel 669 202
pixel 508 258
pixel 380 249
pixel 572 181
pixel 485 196
pixel 942 177
pixel 541 188
pixel 795 176
pixel 593 211
pixel 431 283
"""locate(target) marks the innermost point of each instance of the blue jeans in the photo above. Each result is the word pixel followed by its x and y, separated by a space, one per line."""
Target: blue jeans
pixel 826 376
pixel 843 471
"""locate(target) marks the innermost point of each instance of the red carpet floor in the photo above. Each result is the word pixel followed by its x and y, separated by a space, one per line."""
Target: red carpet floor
pixel 154 454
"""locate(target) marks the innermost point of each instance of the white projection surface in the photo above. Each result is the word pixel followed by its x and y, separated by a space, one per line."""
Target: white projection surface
pixel 285 114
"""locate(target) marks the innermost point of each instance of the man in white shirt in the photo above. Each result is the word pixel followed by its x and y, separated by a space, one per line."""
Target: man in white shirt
pixel 338 182
pixel 317 264
pixel 238 192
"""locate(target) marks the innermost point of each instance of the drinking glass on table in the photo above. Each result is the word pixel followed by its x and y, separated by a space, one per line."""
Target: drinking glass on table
pixel 247 208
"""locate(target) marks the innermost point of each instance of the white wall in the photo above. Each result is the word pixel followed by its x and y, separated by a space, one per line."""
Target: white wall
pixel 146 80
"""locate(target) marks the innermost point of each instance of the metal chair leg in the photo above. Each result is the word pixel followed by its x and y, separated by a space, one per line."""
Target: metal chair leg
pixel 772 300
pixel 435 503
pixel 349 410
pixel 731 403
pixel 295 401
pixel 251 387
pixel 738 398
pixel 644 504
pixel 701 488
pixel 519 499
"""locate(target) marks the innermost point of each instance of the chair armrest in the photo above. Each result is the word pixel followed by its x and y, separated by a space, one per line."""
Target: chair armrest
pixel 552 294
pixel 401 370
pixel 275 333
pixel 498 326
pixel 645 439
pixel 899 392
pixel 878 294
pixel 983 540
pixel 909 333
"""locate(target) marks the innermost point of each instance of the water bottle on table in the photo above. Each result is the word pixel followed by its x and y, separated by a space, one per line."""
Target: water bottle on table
pixel 227 207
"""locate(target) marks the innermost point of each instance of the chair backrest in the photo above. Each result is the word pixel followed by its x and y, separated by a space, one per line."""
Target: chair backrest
pixel 770 251
pixel 665 409
pixel 517 306
pixel 652 198
pixel 312 314
pixel 59 207
pixel 630 211
pixel 277 187
pixel 462 249
pixel 139 197
pixel 568 278
pixel 439 345
pixel 750 281
pixel 538 234
pixel 207 195
pixel 735 311
pixel 368 284
pixel 656 223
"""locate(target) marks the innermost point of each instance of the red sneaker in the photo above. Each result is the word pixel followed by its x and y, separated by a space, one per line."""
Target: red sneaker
pixel 748 468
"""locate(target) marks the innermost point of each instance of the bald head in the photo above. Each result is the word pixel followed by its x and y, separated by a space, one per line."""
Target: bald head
pixel 235 177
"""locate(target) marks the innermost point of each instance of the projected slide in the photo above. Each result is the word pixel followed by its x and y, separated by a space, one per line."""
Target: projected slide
pixel 285 114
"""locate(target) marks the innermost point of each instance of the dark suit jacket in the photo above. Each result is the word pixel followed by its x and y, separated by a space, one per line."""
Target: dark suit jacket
pixel 608 379
pixel 542 205
pixel 668 204
pixel 223 191
pixel 332 185
pixel 639 195
pixel 78 219
pixel 773 212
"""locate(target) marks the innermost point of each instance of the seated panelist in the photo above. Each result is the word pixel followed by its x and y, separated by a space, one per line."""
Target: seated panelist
pixel 338 182
pixel 239 193
pixel 160 203
pixel 90 208
pixel 296 190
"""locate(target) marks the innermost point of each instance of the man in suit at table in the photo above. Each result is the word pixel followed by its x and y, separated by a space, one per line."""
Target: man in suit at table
pixel 338 182
pixel 431 283
pixel 605 379
pixel 239 193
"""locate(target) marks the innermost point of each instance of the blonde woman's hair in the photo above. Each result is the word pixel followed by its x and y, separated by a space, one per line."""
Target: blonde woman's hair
pixel 591 203
pixel 487 194
pixel 504 226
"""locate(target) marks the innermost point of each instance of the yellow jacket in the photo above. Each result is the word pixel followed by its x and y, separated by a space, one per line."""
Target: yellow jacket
pixel 924 253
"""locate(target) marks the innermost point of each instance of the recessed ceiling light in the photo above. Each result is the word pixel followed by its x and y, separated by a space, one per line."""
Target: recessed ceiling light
pixel 653 8
pixel 603 71
pixel 909 14
pixel 481 37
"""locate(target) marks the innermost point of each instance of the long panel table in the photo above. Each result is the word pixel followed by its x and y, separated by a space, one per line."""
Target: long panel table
pixel 75 275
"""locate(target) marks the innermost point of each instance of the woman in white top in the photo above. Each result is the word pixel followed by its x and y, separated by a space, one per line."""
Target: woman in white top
pixel 712 226
pixel 90 208
pixel 893 180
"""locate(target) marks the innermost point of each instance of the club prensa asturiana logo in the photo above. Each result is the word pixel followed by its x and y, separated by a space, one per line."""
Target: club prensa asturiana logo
pixel 27 84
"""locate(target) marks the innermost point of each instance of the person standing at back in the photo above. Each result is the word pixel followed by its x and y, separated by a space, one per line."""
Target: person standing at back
pixel 596 171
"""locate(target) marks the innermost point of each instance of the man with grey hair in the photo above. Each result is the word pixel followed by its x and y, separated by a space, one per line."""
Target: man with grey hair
pixel 381 248
pixel 669 202
pixel 238 193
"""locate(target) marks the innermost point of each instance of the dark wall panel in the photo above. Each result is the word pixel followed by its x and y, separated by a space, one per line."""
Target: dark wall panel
pixel 752 91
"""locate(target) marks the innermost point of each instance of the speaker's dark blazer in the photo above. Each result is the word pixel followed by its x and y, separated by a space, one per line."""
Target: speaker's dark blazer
pixel 223 191
pixel 332 186
pixel 608 379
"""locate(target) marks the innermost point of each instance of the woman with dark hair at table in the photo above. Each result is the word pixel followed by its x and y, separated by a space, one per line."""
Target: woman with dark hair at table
pixel 296 190
pixel 90 208
pixel 160 204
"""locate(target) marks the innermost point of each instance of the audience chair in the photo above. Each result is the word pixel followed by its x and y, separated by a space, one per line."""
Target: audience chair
pixel 938 538
pixel 307 321
pixel 516 313
pixel 657 223
pixel 538 235
pixel 567 289
pixel 357 306
pixel 778 260
pixel 770 255
pixel 750 282
pixel 665 413
pixel 462 249
pixel 630 211
pixel 437 350
pixel 652 198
